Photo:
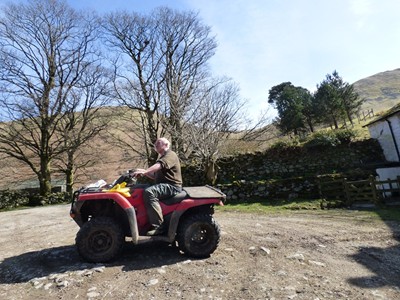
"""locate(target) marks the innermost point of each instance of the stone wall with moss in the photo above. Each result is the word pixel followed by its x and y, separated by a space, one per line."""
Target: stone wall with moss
pixel 300 161
pixel 289 172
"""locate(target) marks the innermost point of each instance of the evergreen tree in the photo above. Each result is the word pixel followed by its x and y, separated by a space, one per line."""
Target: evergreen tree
pixel 294 106
pixel 336 99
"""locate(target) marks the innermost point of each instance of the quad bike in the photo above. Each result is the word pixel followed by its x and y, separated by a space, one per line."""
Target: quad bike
pixel 107 216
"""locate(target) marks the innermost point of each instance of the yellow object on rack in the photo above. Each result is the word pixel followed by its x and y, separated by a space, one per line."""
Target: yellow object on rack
pixel 121 189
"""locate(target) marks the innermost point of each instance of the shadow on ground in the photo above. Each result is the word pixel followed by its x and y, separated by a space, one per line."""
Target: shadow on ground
pixel 65 259
pixel 384 263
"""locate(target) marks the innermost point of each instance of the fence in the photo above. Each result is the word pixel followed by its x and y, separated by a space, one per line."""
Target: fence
pixel 389 187
pixel 364 115
pixel 361 117
pixel 360 191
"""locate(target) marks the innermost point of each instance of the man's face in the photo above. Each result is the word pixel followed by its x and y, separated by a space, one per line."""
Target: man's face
pixel 159 146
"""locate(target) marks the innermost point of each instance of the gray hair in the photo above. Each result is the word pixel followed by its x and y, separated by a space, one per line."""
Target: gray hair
pixel 164 141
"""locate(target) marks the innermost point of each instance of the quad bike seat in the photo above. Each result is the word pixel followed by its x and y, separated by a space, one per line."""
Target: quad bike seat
pixel 195 192
pixel 175 199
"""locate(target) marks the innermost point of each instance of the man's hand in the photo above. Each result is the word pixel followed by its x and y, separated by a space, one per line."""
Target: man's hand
pixel 138 172
pixel 150 172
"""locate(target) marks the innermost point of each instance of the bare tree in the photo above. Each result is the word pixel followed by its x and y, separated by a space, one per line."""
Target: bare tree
pixel 45 47
pixel 84 119
pixel 137 71
pixel 125 131
pixel 212 118
pixel 186 46
pixel 261 130
pixel 162 59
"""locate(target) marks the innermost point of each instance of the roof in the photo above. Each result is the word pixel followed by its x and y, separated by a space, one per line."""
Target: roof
pixel 390 112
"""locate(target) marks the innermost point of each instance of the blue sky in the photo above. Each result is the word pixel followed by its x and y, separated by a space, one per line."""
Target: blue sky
pixel 262 43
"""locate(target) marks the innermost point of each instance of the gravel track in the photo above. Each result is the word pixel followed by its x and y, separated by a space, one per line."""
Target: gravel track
pixel 295 255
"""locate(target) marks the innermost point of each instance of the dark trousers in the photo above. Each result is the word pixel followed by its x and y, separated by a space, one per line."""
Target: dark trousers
pixel 151 197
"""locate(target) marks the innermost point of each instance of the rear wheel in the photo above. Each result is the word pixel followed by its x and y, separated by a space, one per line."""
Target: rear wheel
pixel 198 235
pixel 100 240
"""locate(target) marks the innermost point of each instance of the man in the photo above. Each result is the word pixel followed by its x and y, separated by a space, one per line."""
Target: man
pixel 166 173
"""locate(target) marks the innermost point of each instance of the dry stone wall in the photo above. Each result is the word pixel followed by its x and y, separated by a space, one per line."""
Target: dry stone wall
pixel 289 172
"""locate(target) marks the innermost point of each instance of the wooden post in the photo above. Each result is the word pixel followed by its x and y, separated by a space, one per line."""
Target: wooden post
pixel 372 181
pixel 320 187
pixel 347 192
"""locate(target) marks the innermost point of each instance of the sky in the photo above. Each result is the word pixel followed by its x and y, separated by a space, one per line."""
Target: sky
pixel 262 43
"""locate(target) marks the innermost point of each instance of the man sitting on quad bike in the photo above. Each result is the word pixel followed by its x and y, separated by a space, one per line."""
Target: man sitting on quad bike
pixel 166 173
pixel 107 216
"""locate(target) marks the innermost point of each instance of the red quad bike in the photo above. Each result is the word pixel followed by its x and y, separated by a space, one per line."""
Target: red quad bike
pixel 106 217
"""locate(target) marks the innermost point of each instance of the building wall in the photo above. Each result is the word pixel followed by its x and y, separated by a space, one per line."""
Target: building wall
pixel 381 131
pixel 386 174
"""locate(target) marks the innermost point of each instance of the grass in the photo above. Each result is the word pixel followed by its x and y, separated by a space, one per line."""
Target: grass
pixel 276 205
pixel 309 206
pixel 386 214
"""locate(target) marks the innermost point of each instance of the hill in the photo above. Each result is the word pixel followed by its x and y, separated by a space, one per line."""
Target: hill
pixel 108 160
pixel 381 91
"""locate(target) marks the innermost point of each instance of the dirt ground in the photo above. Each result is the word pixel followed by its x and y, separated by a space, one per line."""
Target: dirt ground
pixel 298 255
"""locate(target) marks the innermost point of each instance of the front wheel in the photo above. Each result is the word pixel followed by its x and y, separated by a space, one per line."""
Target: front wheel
pixel 100 240
pixel 198 235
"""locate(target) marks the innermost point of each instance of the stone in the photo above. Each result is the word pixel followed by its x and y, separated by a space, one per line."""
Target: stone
pixel 152 282
pixel 93 294
pixel 265 250
pixel 297 256
pixel 317 263
pixel 62 284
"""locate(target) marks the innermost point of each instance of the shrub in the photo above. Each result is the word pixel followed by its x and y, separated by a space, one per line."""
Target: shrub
pixel 58 198
pixel 330 138
pixel 13 199
pixel 10 199
pixel 345 136
pixel 283 144
pixel 54 198
pixel 322 139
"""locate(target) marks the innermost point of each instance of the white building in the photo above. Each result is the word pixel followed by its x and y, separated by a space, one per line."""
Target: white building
pixel 386 129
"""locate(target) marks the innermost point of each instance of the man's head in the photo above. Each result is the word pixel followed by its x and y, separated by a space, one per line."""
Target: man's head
pixel 161 145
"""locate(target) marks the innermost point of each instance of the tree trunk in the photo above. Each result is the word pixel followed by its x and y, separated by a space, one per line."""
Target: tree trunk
pixel 151 131
pixel 69 176
pixel 177 141
pixel 211 171
pixel 44 181
pixel 310 124
pixel 335 123
pixel 350 119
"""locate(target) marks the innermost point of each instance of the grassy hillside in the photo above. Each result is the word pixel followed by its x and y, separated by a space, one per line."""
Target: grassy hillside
pixel 108 159
pixel 381 91
pixel 103 158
